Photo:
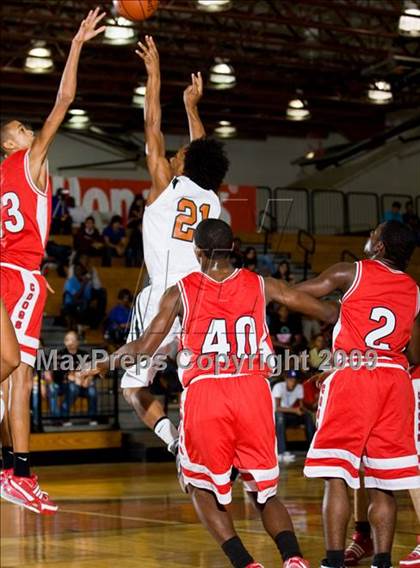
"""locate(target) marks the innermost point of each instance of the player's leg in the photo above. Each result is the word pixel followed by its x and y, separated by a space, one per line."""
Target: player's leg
pixel 136 381
pixel 361 545
pixel 382 514
pixel 9 348
pixel 335 516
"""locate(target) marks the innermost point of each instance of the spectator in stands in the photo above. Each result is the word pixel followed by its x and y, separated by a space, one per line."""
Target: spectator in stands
pixel 61 220
pixel 135 213
pixel 394 214
pixel 288 403
pixel 115 240
pixel 411 219
pixel 285 328
pixel 237 257
pixel 77 297
pixel 134 255
pixel 98 302
pixel 76 212
pixel 88 240
pixel 57 257
pixel 250 258
pixel 283 272
pixel 64 383
pixel 118 320
pixel 316 347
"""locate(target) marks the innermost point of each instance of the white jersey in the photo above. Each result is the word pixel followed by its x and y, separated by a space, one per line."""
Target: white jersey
pixel 168 230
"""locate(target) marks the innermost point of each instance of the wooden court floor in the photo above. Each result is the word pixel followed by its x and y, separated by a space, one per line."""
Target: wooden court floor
pixel 135 515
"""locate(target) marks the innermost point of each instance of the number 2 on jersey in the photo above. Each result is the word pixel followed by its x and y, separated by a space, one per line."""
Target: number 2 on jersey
pixel 187 218
pixel 373 338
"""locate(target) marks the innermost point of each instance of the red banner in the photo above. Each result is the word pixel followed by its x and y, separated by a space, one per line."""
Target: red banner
pixel 114 196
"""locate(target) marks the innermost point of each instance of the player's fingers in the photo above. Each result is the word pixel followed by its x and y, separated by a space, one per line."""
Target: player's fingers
pixel 99 31
pixel 140 54
pixel 99 18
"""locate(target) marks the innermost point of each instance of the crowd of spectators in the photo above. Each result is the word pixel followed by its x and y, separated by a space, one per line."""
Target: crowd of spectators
pixel 409 217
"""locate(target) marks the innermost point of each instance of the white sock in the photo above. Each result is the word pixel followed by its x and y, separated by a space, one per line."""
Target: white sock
pixel 166 431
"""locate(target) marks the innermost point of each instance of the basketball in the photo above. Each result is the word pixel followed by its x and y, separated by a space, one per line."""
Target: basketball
pixel 136 10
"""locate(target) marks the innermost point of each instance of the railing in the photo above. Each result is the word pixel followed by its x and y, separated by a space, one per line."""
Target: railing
pixel 307 243
pixel 267 230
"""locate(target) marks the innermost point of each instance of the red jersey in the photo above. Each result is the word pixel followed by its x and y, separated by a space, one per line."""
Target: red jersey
pixel 224 332
pixel 25 214
pixel 378 313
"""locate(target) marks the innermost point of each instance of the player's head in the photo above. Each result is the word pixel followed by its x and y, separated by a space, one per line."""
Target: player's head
pixel 392 241
pixel 204 161
pixel 15 136
pixel 213 240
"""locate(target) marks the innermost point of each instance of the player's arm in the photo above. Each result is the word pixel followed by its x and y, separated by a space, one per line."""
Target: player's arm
pixel 298 301
pixel 192 96
pixel 65 95
pixel 336 277
pixel 170 307
pixel 413 351
pixel 157 163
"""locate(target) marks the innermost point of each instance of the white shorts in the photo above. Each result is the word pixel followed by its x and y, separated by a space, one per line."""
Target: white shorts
pixel 145 308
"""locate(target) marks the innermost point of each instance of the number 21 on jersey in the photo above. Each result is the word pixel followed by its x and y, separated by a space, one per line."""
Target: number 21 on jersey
pixel 187 218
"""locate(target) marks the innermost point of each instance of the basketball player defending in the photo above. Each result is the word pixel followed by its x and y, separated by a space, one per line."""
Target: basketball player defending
pixel 182 194
pixel 25 220
pixel 367 414
pixel 227 411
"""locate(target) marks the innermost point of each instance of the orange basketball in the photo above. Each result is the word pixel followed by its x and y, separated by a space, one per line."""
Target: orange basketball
pixel 136 10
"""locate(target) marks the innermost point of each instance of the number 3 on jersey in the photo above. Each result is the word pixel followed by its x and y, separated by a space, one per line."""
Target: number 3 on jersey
pixel 186 219
pixel 15 222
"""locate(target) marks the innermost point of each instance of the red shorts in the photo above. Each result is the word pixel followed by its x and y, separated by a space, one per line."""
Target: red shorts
pixel 229 422
pixel 24 294
pixel 416 387
pixel 366 416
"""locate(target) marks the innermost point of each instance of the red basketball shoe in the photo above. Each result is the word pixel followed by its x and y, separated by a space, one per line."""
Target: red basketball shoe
pixel 26 492
pixel 360 547
pixel 296 562
pixel 5 487
pixel 413 559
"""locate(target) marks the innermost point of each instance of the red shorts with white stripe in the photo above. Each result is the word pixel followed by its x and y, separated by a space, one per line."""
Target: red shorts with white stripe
pixel 416 387
pixel 366 416
pixel 229 422
pixel 24 294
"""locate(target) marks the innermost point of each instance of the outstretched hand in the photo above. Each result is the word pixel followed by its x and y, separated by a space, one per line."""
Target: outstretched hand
pixel 194 92
pixel 88 28
pixel 149 54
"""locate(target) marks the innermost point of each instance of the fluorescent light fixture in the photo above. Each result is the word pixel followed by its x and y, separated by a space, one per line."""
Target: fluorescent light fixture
pixel 77 112
pixel 39 59
pixel 225 129
pixel 297 109
pixel 79 120
pixel 139 96
pixel 409 22
pixel 119 31
pixel 222 75
pixel 380 93
pixel 310 155
pixel 214 5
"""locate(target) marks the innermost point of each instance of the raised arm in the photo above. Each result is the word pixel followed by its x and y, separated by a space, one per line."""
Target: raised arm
pixel 157 163
pixel 65 97
pixel 298 301
pixel 192 96
pixel 170 307
pixel 336 277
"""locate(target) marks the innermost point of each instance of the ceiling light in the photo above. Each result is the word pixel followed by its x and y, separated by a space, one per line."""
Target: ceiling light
pixel 78 121
pixel 214 5
pixel 225 129
pixel 119 31
pixel 139 96
pixel 409 22
pixel 39 59
pixel 297 109
pixel 380 93
pixel 77 112
pixel 222 75
pixel 310 155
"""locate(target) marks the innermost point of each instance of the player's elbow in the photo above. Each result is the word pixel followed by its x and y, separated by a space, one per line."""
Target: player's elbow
pixel 65 98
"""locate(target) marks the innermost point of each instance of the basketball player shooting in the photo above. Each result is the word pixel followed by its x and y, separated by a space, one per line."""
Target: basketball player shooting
pixel 368 414
pixel 227 412
pixel 183 192
pixel 25 221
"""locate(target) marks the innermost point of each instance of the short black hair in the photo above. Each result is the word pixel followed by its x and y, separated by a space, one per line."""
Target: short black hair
pixel 115 219
pixel 215 238
pixel 206 163
pixel 396 204
pixel 90 218
pixel 124 292
pixel 399 241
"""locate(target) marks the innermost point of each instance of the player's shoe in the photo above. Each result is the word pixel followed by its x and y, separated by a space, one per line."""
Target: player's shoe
pixel 254 565
pixel 413 559
pixel 287 457
pixel 27 492
pixel 5 488
pixel 361 546
pixel 296 562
